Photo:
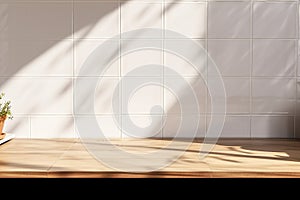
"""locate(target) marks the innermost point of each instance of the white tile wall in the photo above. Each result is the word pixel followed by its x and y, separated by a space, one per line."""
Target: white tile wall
pixel 298 56
pixel 229 19
pixel 20 126
pixel 272 127
pixel 131 60
pixel 143 98
pixel 237 96
pixel 275 20
pixel 107 124
pixel 255 44
pixel 234 126
pixel 298 98
pixel 183 67
pixel 96 19
pixel 274 57
pixel 297 127
pixel 23 58
pixel 173 126
pixel 52 127
pixel 38 95
pixel 142 126
pixel 173 103
pixel 83 49
pixel 232 57
pixel 105 89
pixel 104 95
pixel 188 19
pixel 36 21
pixel 274 96
pixel 139 15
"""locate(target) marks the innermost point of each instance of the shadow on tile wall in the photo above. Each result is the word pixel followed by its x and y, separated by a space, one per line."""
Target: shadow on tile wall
pixel 37 60
pixel 254 43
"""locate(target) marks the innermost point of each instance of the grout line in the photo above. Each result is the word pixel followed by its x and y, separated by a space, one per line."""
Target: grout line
pixel 207 67
pixel 73 68
pixel 163 64
pixel 192 38
pixel 147 114
pixel 186 76
pixel 45 115
pixel 233 1
pixel 297 66
pixel 251 65
pixel 296 88
pixel 192 114
pixel 73 41
pixel 292 38
pixel 120 71
pixel 143 38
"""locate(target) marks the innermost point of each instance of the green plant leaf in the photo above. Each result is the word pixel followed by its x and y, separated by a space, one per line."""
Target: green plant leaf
pixel 5 107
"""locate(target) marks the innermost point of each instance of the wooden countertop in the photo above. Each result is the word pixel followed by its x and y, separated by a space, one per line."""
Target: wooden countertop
pixel 28 158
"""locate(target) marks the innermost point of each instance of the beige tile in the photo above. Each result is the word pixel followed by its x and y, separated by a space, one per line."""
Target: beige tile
pixel 96 19
pixel 40 23
pixel 142 126
pixel 190 59
pixel 36 58
pixel 194 126
pixel 192 24
pixel 272 126
pixel 179 95
pixel 19 126
pixel 229 19
pixel 97 98
pixel 232 57
pixel 57 127
pixel 274 20
pixel 237 92
pixel 138 15
pixel 274 57
pixel 274 95
pixel 84 48
pixel 136 56
pixel 57 99
pixel 234 126
pixel 142 95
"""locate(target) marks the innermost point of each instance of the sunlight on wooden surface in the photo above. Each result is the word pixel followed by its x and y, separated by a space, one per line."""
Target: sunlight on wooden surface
pixel 229 158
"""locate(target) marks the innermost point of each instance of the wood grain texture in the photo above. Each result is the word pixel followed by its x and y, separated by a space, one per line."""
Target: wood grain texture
pixel 230 158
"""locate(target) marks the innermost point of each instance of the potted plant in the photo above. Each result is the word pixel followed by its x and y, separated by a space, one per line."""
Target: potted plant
pixel 5 113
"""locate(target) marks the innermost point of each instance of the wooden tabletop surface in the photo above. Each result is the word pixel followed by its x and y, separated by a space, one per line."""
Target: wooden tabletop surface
pixel 229 158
